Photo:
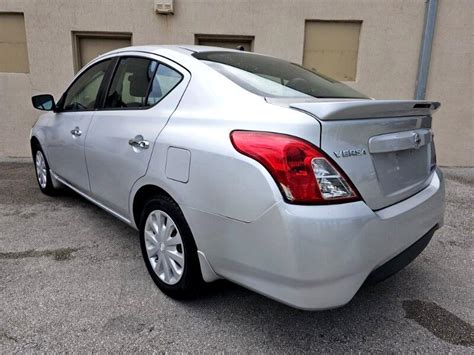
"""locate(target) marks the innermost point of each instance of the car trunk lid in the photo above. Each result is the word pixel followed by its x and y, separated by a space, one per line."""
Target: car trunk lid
pixel 384 147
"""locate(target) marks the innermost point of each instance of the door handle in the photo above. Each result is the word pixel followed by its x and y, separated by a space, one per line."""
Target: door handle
pixel 76 132
pixel 139 142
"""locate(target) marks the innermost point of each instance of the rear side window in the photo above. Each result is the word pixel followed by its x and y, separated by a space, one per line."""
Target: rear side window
pixel 140 83
pixel 273 77
pixel 165 80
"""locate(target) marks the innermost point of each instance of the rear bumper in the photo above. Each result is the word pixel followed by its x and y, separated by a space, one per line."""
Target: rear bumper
pixel 317 257
pixel 401 260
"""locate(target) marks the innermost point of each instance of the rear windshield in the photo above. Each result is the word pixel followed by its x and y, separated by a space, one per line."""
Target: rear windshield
pixel 272 77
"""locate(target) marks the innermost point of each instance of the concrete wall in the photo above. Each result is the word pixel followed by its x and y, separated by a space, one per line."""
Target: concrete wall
pixel 451 82
pixel 387 62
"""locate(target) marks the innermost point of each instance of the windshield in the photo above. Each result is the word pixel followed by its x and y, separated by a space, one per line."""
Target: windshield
pixel 272 77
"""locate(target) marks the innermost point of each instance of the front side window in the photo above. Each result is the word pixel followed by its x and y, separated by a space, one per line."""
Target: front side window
pixel 272 77
pixel 82 94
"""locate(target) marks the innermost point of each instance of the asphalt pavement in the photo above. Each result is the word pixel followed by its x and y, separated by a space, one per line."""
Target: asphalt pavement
pixel 72 279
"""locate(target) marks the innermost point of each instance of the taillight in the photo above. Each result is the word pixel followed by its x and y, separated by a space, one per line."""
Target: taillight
pixel 304 174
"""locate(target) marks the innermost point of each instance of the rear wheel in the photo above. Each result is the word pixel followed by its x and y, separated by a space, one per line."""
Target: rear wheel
pixel 168 249
pixel 43 176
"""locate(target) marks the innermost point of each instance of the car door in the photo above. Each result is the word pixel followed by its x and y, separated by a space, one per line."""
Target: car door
pixel 144 92
pixel 69 127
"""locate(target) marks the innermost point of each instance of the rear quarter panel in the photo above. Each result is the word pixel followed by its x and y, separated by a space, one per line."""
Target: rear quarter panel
pixel 221 180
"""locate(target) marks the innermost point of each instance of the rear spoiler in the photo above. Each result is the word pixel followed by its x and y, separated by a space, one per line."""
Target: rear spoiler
pixel 359 109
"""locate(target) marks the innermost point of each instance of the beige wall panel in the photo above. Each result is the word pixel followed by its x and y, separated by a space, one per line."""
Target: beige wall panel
pixel 90 47
pixel 331 48
pixel 225 44
pixel 389 47
pixel 13 48
pixel 232 42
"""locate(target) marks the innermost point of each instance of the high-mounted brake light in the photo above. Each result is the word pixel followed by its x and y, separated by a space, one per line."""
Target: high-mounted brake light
pixel 304 174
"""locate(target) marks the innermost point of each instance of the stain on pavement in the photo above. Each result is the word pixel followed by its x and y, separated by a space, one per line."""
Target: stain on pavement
pixel 61 254
pixel 440 322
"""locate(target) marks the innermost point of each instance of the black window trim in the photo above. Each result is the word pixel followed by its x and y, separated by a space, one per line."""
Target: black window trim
pixel 118 59
pixel 104 89
pixel 60 104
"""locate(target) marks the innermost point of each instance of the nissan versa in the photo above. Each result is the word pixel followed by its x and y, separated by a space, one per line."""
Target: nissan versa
pixel 245 167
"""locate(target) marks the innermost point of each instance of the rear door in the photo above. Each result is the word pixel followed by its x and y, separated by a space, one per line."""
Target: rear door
pixel 143 93
pixel 69 127
pixel 384 147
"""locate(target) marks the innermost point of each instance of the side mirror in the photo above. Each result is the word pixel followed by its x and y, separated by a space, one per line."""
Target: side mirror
pixel 43 102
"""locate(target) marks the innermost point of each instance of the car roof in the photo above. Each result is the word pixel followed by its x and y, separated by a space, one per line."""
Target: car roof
pixel 161 49
pixel 179 53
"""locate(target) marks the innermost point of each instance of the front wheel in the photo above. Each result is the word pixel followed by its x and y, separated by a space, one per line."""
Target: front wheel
pixel 168 249
pixel 43 176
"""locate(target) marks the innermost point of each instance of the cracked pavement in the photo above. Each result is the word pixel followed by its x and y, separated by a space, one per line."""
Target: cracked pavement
pixel 72 279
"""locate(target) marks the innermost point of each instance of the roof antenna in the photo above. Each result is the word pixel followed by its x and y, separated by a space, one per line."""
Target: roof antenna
pixel 240 48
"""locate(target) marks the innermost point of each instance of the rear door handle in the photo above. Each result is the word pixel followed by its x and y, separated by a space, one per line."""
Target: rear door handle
pixel 139 142
pixel 76 132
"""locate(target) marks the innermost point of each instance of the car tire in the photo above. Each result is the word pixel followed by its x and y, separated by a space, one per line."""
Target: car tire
pixel 169 250
pixel 43 175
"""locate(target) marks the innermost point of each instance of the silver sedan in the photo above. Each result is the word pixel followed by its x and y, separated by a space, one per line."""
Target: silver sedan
pixel 245 167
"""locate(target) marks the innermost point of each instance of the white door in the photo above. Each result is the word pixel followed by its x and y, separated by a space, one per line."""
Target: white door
pixel 143 94
pixel 69 127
